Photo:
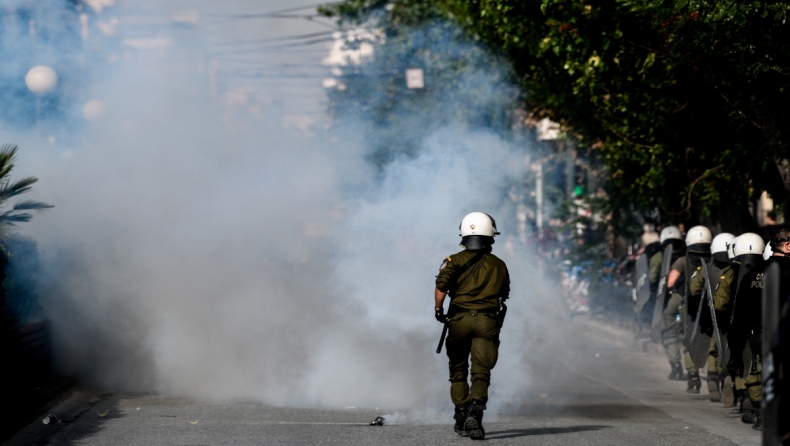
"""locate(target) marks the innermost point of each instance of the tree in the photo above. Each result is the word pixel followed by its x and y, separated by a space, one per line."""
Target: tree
pixel 463 83
pixel 684 103
pixel 10 215
pixel 19 211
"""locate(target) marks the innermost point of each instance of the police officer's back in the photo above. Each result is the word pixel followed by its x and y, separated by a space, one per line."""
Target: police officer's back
pixel 478 284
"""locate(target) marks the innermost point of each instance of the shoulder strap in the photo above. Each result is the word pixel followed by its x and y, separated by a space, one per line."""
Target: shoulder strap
pixel 460 271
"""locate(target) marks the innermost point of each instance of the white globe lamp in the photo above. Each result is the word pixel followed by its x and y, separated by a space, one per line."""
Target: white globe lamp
pixel 41 80
pixel 93 110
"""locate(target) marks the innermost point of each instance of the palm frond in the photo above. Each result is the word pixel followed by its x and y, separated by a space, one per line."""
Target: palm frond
pixel 8 189
pixel 20 187
pixel 30 205
pixel 10 219
pixel 7 158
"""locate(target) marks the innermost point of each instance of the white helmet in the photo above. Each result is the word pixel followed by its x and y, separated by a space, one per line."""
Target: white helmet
pixel 698 235
pixel 719 246
pixel 768 251
pixel 669 233
pixel 477 231
pixel 730 248
pixel 749 243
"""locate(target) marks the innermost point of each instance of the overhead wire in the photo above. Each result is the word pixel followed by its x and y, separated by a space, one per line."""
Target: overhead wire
pixel 276 39
pixel 271 13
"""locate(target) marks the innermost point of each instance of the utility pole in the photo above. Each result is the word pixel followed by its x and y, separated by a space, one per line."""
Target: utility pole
pixel 538 169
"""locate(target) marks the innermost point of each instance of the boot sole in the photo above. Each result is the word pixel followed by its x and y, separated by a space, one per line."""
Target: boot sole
pixel 715 397
pixel 476 432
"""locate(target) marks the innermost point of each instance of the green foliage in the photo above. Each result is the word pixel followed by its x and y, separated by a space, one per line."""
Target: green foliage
pixel 9 217
pixel 464 82
pixel 685 103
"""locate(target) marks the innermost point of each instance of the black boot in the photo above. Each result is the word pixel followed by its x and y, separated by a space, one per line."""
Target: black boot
pixel 758 418
pixel 460 421
pixel 729 396
pixel 714 395
pixel 738 401
pixel 474 421
pixel 677 371
pixel 694 383
pixel 747 411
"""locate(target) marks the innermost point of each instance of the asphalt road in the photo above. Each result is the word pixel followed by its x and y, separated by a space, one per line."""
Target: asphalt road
pixel 607 392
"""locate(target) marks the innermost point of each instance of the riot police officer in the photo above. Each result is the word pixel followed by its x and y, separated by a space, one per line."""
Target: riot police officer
pixel 720 264
pixel 698 241
pixel 670 236
pixel 746 326
pixel 478 283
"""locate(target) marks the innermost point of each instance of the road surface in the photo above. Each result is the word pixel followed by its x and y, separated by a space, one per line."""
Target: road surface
pixel 608 390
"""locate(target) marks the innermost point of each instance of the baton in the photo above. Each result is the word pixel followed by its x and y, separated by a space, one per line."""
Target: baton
pixel 441 340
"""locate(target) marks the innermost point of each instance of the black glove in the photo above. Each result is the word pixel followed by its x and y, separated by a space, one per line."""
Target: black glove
pixel 440 316
pixel 735 366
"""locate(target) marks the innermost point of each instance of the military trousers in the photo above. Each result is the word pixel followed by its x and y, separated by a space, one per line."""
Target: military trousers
pixel 715 370
pixel 475 334
pixel 670 329
pixel 754 382
pixel 688 363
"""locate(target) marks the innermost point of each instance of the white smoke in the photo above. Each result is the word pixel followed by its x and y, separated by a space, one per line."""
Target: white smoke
pixel 231 247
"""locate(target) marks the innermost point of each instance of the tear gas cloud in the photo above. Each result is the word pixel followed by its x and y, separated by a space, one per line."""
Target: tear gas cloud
pixel 233 242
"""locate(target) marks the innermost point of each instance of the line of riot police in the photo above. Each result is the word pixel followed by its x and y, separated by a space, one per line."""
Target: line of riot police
pixel 721 304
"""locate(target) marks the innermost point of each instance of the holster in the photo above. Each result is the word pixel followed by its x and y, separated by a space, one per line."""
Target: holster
pixel 500 315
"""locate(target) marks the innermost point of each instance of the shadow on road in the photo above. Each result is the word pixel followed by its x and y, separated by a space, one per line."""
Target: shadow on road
pixel 515 433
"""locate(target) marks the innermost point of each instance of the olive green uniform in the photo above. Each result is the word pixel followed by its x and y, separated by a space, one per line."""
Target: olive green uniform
pixel 671 330
pixel 654 269
pixel 688 364
pixel 720 300
pixel 473 328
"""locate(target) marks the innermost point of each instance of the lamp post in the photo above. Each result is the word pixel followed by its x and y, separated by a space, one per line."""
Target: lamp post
pixel 41 80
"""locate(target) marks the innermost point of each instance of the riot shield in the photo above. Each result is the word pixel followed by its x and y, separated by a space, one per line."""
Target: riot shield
pixel 699 344
pixel 661 296
pixel 688 317
pixel 746 354
pixel 642 283
pixel 748 360
pixel 721 341
pixel 771 283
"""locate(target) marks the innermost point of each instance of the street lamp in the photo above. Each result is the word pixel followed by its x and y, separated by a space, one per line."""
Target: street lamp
pixel 41 80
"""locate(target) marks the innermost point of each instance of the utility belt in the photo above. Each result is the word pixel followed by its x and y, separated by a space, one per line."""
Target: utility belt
pixel 454 311
pixel 498 313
